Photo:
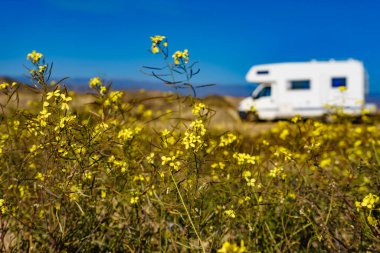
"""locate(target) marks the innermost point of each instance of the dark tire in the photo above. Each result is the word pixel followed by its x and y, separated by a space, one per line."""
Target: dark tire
pixel 252 117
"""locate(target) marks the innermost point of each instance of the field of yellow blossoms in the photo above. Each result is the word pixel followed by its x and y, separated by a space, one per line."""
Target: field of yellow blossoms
pixel 113 176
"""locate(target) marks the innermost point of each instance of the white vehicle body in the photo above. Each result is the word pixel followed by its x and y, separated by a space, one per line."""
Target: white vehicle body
pixel 306 89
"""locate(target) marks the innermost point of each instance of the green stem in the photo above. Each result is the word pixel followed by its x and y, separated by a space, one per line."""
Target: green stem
pixel 187 212
pixel 330 209
pixel 188 81
pixel 173 80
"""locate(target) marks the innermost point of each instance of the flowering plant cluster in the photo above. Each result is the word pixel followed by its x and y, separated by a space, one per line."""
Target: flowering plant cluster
pixel 112 172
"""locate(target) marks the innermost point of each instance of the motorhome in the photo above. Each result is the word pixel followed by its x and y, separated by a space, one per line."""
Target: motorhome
pixel 309 89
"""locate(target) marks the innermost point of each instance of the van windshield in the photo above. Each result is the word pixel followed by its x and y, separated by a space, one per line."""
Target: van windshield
pixel 265 92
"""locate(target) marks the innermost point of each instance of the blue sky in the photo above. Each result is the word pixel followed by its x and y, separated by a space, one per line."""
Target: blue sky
pixel 111 37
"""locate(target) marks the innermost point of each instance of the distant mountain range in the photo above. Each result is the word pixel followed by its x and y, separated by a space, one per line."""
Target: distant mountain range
pixel 234 90
pixel 81 84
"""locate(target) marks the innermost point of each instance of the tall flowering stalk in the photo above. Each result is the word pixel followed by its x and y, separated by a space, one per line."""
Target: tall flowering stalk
pixel 179 72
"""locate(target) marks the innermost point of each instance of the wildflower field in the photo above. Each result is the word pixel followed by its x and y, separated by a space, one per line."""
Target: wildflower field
pixel 118 174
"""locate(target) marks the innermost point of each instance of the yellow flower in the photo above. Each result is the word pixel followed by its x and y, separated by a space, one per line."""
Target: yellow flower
pixel 197 108
pixel 156 40
pixel 232 248
pixel 242 200
pixel 102 90
pixel 243 158
pixel 4 85
pixel 150 158
pixel 88 175
pixel 247 174
pixel 227 139
pixel 126 134
pixel 284 134
pixel 276 172
pixel 3 208
pixel 134 200
pixel 41 69
pixel 51 94
pixel 39 176
pixel 372 221
pixel 65 99
pixel 21 188
pixel 230 213
pixel 115 96
pixel 296 118
pixel 369 201
pixel 95 82
pixel 64 106
pixel 325 162
pixel 193 135
pixel 34 56
pixel 171 161
pixel 44 113
pixel 155 50
pixel 218 165
pixel 181 55
pixel 251 182
pixel 165 132
pixel 74 193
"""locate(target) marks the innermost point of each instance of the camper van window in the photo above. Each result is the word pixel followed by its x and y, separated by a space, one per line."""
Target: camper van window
pixel 299 85
pixel 338 82
pixel 265 92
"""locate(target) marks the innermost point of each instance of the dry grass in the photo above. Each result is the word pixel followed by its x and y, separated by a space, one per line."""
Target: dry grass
pixel 225 119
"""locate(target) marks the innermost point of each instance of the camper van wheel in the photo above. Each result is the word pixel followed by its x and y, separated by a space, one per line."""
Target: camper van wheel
pixel 252 117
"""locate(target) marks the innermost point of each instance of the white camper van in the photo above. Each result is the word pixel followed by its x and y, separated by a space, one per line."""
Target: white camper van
pixel 306 89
